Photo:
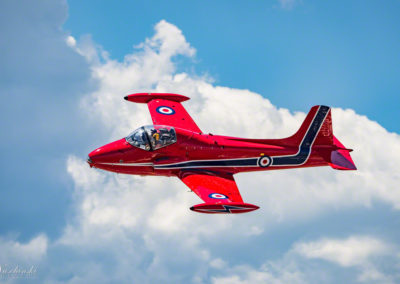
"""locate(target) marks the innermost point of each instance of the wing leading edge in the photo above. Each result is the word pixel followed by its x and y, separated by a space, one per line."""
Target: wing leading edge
pixel 218 190
pixel 166 109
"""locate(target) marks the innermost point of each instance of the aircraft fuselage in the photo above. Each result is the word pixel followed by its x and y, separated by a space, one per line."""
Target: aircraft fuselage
pixel 197 151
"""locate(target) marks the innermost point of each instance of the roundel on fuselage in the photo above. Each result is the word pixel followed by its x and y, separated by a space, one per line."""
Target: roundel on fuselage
pixel 264 161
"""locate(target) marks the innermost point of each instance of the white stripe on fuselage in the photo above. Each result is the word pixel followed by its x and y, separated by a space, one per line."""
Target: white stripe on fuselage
pixel 129 164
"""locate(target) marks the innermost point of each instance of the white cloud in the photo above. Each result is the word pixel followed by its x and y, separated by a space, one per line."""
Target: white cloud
pixel 150 215
pixel 362 252
pixel 17 253
pixel 370 274
pixel 136 229
pixel 290 193
pixel 168 41
pixel 140 71
pixel 272 272
pixel 353 251
pixel 71 41
pixel 129 228
pixel 362 255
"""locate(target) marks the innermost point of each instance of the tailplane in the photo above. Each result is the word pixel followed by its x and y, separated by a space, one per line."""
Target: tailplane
pixel 340 158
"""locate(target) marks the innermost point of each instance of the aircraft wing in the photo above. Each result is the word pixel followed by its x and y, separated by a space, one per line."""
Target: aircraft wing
pixel 218 190
pixel 166 109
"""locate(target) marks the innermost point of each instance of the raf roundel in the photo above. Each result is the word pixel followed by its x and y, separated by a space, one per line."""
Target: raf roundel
pixel 218 196
pixel 264 161
pixel 165 110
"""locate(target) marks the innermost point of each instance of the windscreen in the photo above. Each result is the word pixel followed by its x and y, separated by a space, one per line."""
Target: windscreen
pixel 160 136
pixel 152 137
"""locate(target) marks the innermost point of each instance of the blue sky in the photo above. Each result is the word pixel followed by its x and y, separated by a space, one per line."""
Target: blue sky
pixel 64 69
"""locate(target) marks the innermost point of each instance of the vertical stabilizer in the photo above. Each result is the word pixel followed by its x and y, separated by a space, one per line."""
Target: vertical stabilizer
pixel 316 134
pixel 315 129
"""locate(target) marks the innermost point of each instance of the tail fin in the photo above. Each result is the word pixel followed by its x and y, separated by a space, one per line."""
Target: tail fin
pixel 316 132
pixel 315 129
pixel 328 146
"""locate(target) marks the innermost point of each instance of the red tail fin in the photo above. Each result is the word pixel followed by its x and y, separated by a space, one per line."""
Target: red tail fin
pixel 330 148
pixel 315 133
pixel 324 133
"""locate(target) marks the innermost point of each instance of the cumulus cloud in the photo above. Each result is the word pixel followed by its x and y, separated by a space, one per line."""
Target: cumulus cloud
pixel 360 254
pixel 14 252
pixel 127 228
pixel 272 272
pixel 245 113
pixel 352 251
pixel 131 211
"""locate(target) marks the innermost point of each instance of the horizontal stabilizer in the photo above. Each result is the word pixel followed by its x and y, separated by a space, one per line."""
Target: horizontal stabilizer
pixel 224 208
pixel 340 159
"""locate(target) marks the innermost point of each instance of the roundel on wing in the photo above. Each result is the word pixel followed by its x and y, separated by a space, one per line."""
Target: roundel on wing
pixel 217 196
pixel 264 161
pixel 165 110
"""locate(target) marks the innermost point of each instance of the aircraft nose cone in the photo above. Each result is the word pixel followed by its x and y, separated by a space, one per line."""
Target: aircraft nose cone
pixel 109 153
pixel 98 155
pixel 89 161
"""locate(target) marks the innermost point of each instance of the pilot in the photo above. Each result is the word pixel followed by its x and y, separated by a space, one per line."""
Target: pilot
pixel 156 139
pixel 156 136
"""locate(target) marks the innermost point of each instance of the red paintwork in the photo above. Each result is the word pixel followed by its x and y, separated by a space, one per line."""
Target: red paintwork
pixel 180 119
pixel 144 98
pixel 203 187
pixel 193 145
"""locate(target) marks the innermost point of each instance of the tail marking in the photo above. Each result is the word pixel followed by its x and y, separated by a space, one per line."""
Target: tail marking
pixel 304 151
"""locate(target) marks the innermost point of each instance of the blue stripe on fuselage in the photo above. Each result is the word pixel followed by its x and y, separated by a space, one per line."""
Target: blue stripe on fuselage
pixel 305 146
pixel 216 163
pixel 292 160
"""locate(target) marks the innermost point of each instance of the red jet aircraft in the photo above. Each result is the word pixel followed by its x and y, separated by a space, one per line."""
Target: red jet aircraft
pixel 206 163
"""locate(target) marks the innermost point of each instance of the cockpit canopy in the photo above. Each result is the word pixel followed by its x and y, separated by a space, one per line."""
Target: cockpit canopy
pixel 152 137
